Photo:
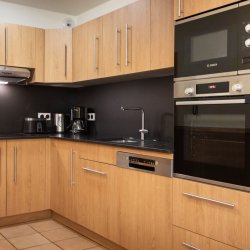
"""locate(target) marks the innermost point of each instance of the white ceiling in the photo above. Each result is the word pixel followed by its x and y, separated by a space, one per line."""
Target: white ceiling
pixel 73 7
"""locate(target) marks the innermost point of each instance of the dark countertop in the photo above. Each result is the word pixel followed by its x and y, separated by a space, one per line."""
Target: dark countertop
pixel 150 145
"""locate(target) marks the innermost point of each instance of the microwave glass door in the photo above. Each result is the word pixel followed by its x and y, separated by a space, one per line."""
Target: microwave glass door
pixel 213 142
pixel 207 45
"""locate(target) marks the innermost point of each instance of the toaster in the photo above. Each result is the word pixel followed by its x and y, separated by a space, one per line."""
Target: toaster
pixel 34 126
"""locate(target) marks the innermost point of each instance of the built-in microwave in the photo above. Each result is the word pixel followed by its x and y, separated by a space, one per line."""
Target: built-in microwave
pixel 213 44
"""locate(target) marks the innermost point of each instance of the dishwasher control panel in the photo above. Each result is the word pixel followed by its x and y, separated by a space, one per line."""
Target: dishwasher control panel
pixel 154 165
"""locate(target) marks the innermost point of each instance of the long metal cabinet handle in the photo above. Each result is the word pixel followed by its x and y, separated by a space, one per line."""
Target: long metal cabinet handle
pixel 179 8
pixel 94 171
pixel 190 246
pixel 96 53
pixel 118 47
pixel 15 164
pixel 66 61
pixel 209 200
pixel 72 168
pixel 126 48
pixel 6 45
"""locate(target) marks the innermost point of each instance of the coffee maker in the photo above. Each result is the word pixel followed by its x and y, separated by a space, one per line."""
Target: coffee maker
pixel 79 116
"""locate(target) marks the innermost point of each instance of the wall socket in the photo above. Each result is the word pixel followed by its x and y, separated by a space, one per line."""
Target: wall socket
pixel 46 116
pixel 91 117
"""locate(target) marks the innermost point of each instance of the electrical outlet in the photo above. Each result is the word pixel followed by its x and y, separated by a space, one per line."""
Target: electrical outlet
pixel 46 116
pixel 91 117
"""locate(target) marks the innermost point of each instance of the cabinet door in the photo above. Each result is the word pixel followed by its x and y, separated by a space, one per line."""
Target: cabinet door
pixel 2 44
pixel 95 199
pixel 58 55
pixel 80 53
pixel 2 178
pixel 63 171
pixel 39 56
pixel 113 33
pixel 185 8
pixel 26 176
pixel 162 34
pixel 20 46
pixel 136 39
pixel 183 240
pixel 215 212
pixel 145 210
pixel 87 51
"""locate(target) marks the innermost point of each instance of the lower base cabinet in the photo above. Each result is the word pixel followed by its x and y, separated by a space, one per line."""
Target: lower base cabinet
pixel 215 212
pixel 96 198
pixel 2 178
pixel 26 175
pixel 64 162
pixel 183 240
pixel 145 210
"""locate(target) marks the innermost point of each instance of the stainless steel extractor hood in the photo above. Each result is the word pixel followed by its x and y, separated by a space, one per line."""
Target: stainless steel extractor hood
pixel 14 75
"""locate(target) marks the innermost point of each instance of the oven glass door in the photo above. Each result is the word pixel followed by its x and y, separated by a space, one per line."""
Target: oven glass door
pixel 212 141
pixel 207 45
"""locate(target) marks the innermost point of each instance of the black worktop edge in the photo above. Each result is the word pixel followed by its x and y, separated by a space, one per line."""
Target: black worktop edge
pixel 162 149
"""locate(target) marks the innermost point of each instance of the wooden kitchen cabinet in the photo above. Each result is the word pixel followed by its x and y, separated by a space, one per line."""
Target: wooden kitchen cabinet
pixel 58 55
pixel 96 198
pixel 183 240
pixel 2 44
pixel 64 162
pixel 26 176
pixel 2 178
pixel 224 217
pixel 87 51
pixel 185 8
pixel 126 39
pixel 162 34
pixel 145 210
pixel 23 46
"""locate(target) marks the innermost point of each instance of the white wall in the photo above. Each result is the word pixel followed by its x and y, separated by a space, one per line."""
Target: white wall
pixel 19 14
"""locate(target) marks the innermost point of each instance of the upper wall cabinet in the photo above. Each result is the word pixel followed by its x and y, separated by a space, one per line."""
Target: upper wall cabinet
pixel 22 46
pixel 185 8
pixel 162 34
pixel 87 51
pixel 58 55
pixel 2 44
pixel 126 39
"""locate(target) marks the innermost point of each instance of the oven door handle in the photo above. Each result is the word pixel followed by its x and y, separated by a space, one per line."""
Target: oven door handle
pixel 210 102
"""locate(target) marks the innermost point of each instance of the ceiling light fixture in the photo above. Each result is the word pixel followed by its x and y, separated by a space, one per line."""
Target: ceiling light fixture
pixel 3 82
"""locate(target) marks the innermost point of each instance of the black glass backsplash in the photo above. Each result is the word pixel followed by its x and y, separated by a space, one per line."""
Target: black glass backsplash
pixel 155 96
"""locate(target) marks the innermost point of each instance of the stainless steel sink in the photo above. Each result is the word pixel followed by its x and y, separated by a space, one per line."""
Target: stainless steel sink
pixel 121 140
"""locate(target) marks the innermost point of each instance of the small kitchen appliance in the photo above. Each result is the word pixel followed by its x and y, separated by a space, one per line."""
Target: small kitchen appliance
pixel 79 116
pixel 34 126
pixel 61 122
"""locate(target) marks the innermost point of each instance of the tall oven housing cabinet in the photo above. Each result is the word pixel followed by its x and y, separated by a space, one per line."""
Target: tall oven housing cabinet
pixel 212 97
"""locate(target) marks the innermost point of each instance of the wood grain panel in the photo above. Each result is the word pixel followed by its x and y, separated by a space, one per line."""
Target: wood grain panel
pixel 2 44
pixel 162 34
pixel 2 178
pixel 182 237
pixel 27 193
pixel 213 220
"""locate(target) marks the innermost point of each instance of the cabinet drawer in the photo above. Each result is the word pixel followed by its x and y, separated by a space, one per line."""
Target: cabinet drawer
pixel 184 240
pixel 97 152
pixel 215 212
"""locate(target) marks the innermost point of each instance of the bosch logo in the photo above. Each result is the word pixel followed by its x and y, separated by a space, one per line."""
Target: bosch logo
pixel 210 65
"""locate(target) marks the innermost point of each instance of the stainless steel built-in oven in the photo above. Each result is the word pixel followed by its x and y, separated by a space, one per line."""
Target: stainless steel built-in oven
pixel 212 131
pixel 213 44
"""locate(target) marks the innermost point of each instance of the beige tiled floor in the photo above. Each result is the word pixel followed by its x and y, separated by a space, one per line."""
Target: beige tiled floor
pixel 44 235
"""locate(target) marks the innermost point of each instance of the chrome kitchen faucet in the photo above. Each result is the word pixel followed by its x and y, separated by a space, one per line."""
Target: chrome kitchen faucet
pixel 143 131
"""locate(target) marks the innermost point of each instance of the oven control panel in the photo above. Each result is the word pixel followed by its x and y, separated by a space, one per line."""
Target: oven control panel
pixel 223 86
